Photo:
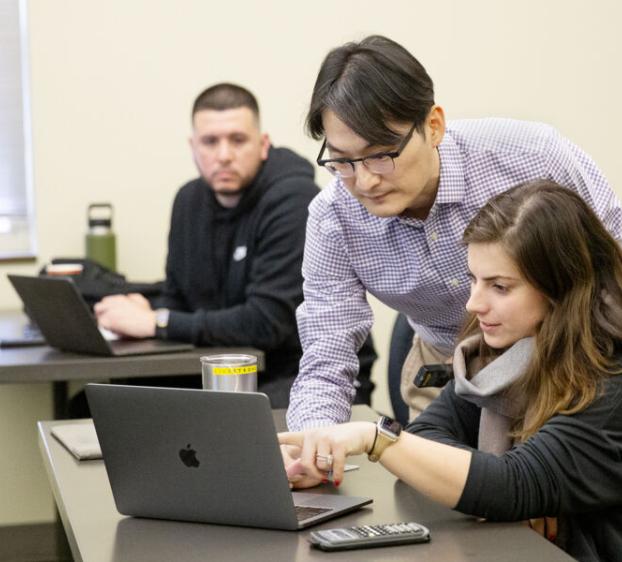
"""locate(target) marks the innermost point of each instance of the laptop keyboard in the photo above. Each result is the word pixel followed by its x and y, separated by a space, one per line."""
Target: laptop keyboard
pixel 304 512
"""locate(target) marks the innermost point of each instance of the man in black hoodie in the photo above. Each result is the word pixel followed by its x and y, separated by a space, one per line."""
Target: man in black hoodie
pixel 233 272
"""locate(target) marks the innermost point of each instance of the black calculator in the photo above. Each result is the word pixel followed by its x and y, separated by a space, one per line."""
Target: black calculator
pixel 368 536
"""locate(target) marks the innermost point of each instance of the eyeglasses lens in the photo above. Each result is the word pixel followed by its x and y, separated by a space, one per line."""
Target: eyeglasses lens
pixel 376 165
pixel 379 165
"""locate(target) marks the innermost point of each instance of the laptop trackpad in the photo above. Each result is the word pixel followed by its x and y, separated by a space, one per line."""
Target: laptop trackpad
pixel 317 500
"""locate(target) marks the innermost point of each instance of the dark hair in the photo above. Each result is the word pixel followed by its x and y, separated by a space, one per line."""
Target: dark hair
pixel 563 250
pixel 368 85
pixel 225 96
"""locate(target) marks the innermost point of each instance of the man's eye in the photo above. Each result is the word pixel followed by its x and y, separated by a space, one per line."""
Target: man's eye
pixel 209 141
pixel 238 140
pixel 378 158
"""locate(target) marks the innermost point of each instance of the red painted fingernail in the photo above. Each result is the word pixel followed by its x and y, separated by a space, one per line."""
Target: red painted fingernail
pixel 324 480
pixel 337 482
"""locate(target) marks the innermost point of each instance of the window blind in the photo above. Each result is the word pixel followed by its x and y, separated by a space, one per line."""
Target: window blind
pixel 17 226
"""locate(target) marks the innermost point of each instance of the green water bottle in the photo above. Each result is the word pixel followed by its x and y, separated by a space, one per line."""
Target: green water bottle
pixel 101 245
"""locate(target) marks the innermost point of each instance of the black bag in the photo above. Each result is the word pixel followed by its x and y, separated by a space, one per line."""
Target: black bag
pixel 96 282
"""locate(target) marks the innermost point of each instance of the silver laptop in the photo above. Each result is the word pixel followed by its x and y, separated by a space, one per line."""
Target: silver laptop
pixel 203 456
pixel 64 318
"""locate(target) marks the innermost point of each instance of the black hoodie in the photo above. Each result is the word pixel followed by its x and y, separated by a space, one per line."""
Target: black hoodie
pixel 233 276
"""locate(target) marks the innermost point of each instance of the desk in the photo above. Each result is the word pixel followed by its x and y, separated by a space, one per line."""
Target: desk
pixel 98 533
pixel 44 364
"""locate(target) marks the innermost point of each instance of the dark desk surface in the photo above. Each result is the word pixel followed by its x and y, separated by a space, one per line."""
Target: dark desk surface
pixel 38 364
pixel 45 364
pixel 98 533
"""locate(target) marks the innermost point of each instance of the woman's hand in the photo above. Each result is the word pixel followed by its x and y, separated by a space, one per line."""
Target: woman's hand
pixel 318 446
pixel 545 526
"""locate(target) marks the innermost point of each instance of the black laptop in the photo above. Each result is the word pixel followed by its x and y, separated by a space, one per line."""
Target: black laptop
pixel 66 321
pixel 203 456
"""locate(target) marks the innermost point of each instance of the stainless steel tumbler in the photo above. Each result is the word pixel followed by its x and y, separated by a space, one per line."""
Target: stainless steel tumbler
pixel 232 372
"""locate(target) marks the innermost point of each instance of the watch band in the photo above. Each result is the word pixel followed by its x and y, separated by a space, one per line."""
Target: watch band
pixel 387 433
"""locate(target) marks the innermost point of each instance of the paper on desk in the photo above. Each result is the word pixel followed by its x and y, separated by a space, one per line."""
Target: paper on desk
pixel 79 439
pixel 108 335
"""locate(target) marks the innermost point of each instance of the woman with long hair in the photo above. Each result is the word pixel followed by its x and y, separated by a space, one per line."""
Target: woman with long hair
pixel 530 428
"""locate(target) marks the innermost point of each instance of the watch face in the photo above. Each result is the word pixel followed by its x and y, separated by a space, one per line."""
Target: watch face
pixel 162 315
pixel 389 425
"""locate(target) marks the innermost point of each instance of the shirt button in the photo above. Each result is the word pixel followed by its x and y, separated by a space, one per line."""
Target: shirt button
pixel 454 282
pixel 434 236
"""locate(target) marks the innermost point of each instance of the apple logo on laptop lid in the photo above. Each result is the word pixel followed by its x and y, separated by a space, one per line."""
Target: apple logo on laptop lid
pixel 189 456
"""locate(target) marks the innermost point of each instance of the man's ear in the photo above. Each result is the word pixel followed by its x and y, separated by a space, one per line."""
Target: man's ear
pixel 435 123
pixel 265 145
pixel 193 152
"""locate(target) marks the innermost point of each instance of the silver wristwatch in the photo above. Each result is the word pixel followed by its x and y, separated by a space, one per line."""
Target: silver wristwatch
pixel 387 432
pixel 161 319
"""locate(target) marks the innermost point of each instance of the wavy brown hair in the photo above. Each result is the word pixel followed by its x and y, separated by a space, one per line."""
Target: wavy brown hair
pixel 564 251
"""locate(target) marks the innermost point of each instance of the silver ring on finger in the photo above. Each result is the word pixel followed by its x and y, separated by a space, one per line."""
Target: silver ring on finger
pixel 324 461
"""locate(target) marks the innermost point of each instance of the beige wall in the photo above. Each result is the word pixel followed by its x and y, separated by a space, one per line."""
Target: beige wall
pixel 112 85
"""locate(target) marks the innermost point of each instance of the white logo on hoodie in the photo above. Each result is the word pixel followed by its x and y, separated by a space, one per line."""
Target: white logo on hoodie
pixel 240 253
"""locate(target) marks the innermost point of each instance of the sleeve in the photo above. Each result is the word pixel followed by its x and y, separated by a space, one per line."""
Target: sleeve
pixel 172 296
pixel 274 287
pixel 449 419
pixel 570 166
pixel 333 322
pixel 573 464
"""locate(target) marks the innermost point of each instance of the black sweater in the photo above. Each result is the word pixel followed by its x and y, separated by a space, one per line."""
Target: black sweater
pixel 570 469
pixel 233 276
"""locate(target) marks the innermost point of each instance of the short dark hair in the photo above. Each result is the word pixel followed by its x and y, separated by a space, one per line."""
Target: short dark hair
pixel 225 96
pixel 368 85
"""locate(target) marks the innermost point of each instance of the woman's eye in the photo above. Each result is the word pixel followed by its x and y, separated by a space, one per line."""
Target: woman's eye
pixel 500 288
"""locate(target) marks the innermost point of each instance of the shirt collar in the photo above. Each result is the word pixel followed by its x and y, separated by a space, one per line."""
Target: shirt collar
pixel 451 185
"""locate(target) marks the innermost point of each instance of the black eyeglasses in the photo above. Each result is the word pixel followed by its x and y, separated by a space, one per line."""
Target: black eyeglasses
pixel 380 163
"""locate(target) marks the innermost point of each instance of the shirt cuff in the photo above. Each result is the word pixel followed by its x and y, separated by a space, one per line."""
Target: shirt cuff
pixel 180 326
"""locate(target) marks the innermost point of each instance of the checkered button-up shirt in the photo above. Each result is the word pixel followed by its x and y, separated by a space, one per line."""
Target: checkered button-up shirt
pixel 417 267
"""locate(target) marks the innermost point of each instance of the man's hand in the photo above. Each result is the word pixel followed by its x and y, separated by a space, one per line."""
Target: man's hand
pixel 296 473
pixel 128 315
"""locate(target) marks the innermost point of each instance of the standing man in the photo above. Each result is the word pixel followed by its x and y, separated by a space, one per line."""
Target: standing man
pixel 406 185
pixel 235 245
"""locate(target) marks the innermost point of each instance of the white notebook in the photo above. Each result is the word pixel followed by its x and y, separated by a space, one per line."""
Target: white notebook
pixel 80 440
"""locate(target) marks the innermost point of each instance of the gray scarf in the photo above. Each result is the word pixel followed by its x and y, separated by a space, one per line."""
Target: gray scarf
pixel 485 388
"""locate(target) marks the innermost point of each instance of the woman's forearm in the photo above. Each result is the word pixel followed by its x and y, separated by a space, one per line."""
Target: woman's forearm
pixel 439 471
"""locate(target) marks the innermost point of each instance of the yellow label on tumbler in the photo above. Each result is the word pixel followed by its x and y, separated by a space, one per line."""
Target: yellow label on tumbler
pixel 248 370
